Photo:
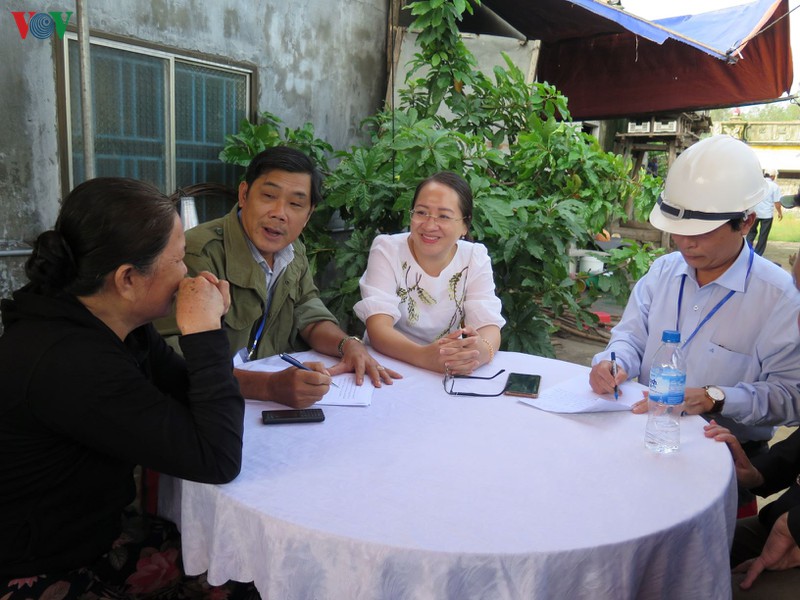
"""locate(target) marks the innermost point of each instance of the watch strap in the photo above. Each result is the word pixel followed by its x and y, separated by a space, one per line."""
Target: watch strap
pixel 718 404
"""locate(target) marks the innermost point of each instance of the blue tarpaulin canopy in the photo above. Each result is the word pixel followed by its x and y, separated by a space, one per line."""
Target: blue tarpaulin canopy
pixel 611 63
pixel 722 33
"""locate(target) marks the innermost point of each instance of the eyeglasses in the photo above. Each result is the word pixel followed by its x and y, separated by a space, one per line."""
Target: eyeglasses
pixel 448 382
pixel 421 216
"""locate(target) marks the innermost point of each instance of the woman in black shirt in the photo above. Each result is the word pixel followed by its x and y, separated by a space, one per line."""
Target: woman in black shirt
pixel 90 390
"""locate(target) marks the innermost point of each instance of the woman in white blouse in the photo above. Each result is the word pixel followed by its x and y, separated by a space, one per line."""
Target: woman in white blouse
pixel 428 295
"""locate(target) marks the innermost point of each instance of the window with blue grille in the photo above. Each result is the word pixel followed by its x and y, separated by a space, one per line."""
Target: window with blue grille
pixel 158 117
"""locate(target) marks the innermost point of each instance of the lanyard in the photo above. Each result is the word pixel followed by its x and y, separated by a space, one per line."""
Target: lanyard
pixel 713 310
pixel 260 330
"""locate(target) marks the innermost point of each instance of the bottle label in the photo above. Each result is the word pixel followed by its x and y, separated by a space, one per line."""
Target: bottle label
pixel 667 385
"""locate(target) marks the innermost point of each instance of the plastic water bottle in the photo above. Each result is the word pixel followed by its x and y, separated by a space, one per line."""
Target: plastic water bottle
pixel 667 385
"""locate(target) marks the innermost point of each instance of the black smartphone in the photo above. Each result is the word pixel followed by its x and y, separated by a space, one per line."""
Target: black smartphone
pixel 523 384
pixel 305 415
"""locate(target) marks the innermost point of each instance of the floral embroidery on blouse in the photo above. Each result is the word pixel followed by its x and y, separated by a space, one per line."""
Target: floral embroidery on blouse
pixel 406 295
pixel 452 291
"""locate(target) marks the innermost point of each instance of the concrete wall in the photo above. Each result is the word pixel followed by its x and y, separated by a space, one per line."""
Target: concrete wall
pixel 776 143
pixel 29 177
pixel 321 61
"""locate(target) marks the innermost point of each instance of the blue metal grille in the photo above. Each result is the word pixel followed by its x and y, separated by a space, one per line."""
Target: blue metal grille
pixel 128 92
pixel 133 112
pixel 209 104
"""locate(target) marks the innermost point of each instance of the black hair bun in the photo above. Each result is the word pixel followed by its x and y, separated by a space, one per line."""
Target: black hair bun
pixel 51 265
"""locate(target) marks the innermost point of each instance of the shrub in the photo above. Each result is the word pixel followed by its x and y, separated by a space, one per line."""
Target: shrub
pixel 550 186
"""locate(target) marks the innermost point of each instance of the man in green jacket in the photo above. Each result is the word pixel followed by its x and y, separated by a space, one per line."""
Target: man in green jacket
pixel 275 306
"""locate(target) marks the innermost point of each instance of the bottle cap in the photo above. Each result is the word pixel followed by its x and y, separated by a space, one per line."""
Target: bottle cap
pixel 671 336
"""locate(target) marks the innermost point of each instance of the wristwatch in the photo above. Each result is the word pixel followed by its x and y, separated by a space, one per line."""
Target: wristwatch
pixel 340 348
pixel 717 396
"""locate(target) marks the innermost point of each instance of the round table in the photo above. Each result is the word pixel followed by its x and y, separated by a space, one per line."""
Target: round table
pixel 426 495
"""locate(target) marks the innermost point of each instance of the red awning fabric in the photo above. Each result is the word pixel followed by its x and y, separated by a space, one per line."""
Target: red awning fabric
pixel 591 53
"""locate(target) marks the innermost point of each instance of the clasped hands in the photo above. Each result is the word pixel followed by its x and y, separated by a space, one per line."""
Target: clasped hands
pixel 458 352
pixel 201 302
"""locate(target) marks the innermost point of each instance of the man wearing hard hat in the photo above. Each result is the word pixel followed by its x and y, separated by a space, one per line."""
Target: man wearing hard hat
pixel 736 311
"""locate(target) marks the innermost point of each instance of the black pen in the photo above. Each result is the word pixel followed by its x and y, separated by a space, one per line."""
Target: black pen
pixel 296 363
pixel 614 373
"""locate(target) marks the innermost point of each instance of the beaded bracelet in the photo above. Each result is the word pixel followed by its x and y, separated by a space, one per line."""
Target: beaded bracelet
pixel 491 350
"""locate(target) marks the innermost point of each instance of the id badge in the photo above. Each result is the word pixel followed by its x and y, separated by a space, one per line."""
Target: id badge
pixel 240 357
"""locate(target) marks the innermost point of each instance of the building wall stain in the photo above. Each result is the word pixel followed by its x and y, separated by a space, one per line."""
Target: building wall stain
pixel 315 61
pixel 172 14
pixel 231 23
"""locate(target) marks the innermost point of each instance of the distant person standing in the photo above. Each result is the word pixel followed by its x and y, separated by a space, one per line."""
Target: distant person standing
pixel 764 211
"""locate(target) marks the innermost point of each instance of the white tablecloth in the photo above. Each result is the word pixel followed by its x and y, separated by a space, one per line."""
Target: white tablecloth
pixel 424 495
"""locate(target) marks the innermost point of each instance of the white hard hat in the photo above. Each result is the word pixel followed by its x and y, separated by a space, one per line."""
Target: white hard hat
pixel 716 180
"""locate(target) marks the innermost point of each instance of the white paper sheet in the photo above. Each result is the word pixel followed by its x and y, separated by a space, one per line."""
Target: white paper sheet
pixel 346 394
pixel 576 396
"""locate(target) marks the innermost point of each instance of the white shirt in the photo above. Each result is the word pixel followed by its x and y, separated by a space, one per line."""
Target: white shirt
pixel 423 307
pixel 766 207
pixel 750 348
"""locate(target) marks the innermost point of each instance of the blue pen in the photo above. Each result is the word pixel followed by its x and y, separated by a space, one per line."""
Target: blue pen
pixel 614 373
pixel 296 363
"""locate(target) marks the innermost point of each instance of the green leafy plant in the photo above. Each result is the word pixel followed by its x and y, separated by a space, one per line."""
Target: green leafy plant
pixel 540 185
pixel 649 189
pixel 553 186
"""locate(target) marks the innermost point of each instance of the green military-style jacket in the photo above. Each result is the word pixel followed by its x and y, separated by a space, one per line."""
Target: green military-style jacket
pixel 220 247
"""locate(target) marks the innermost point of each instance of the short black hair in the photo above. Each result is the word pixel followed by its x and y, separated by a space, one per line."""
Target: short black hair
pixel 291 160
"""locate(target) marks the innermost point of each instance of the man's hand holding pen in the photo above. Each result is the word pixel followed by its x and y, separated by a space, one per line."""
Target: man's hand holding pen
pixel 614 371
pixel 604 381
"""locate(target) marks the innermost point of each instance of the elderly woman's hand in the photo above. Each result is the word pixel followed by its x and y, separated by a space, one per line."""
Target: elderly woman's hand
pixel 201 303
pixel 746 474
pixel 780 552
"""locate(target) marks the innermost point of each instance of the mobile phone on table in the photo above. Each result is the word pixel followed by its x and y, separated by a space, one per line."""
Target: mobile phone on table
pixel 523 384
pixel 305 415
